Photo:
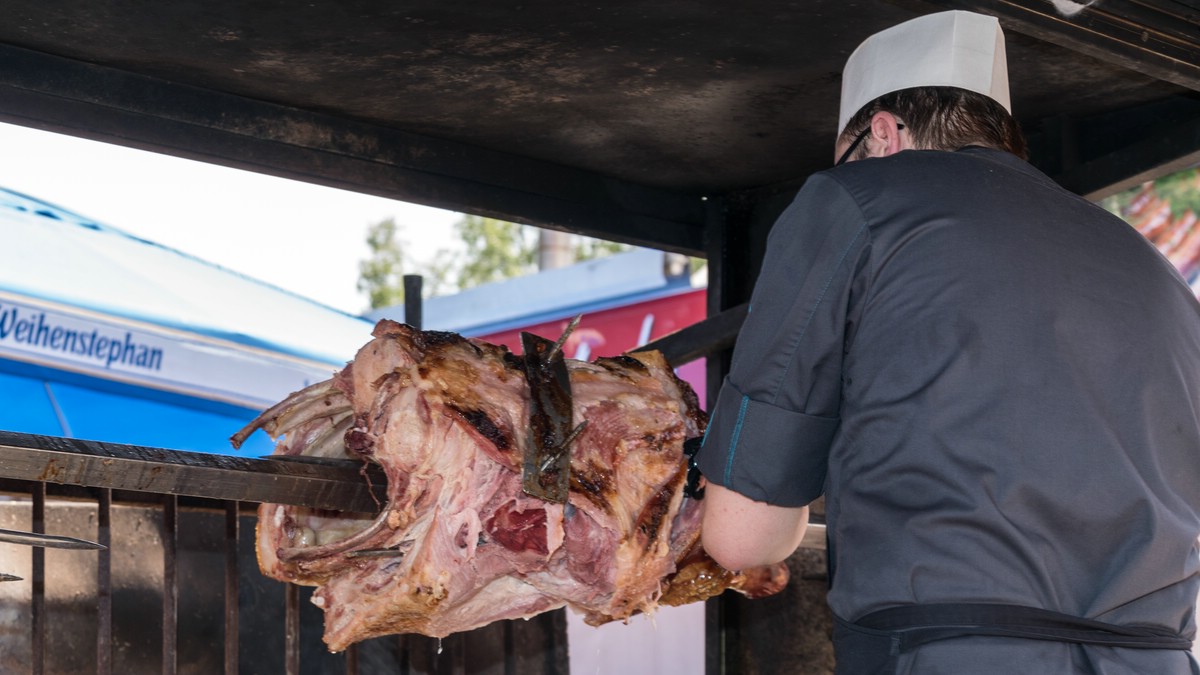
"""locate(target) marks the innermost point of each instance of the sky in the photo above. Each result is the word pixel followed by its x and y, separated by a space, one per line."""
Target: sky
pixel 301 237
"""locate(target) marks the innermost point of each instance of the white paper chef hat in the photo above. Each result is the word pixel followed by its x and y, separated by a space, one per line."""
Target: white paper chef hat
pixel 946 49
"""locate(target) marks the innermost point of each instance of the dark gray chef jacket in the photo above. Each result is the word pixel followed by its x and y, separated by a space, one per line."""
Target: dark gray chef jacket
pixel 995 385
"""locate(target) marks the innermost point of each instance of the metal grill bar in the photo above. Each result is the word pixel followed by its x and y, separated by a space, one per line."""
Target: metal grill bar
pixel 104 664
pixel 403 654
pixel 458 653
pixel 170 589
pixel 39 582
pixel 292 630
pixel 510 654
pixel 69 470
pixel 69 461
pixel 232 532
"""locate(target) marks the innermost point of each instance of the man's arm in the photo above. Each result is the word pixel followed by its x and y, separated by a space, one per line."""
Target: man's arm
pixel 739 532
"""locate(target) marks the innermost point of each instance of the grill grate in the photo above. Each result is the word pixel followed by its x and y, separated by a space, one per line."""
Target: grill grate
pixel 258 624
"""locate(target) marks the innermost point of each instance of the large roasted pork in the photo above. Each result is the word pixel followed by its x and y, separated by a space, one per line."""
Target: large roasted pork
pixel 458 544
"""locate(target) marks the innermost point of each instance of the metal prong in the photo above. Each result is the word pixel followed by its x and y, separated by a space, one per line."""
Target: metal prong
pixel 562 447
pixel 549 461
pixel 9 577
pixel 47 540
pixel 573 435
pixel 563 339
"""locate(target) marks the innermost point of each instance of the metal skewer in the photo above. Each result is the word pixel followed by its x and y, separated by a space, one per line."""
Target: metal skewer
pixel 47 540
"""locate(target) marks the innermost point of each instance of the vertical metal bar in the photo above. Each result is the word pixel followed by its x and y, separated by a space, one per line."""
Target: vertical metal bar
pixel 404 654
pixel 510 646
pixel 413 316
pixel 104 663
pixel 718 296
pixel 170 595
pixel 412 300
pixel 39 582
pixel 352 659
pixel 458 653
pixel 291 641
pixel 231 587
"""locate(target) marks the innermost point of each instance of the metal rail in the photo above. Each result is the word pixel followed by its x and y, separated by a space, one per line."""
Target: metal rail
pixel 58 475
pixel 68 461
pixel 44 460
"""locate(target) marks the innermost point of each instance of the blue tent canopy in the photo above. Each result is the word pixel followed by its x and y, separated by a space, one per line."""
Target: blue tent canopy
pixel 110 337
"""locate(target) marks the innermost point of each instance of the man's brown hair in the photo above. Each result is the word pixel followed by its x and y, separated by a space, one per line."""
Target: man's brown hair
pixel 943 118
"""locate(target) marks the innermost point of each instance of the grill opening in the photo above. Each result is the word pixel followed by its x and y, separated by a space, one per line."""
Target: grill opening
pixel 178 591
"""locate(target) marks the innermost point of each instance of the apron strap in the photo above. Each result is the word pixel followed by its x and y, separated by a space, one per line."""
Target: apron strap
pixel 916 625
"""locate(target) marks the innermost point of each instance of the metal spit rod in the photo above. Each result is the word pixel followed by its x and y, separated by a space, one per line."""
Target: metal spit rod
pixel 69 461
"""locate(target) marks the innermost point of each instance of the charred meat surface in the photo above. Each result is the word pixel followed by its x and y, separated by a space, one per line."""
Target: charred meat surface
pixel 458 544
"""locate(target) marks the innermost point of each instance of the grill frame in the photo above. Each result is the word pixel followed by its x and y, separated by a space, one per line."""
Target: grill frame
pixel 537 646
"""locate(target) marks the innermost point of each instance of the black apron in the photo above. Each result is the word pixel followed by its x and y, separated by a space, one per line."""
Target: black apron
pixel 873 644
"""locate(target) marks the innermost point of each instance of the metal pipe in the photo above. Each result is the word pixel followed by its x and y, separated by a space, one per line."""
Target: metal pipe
pixel 104 662
pixel 291 641
pixel 231 587
pixel 39 582
pixel 170 599
pixel 46 540
pixel 404 654
pixel 413 306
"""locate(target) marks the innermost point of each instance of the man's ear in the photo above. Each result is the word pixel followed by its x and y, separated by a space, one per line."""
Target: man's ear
pixel 885 132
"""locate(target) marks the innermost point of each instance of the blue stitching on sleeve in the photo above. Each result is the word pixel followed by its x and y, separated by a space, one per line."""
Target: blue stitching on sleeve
pixel 733 441
pixel 812 312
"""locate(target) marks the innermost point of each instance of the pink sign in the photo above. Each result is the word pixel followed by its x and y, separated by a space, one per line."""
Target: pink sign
pixel 617 330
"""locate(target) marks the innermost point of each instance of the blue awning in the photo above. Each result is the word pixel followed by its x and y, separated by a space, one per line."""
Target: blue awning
pixel 109 337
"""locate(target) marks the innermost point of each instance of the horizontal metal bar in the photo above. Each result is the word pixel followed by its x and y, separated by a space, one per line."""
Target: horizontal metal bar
pixel 46 540
pixel 814 537
pixel 69 461
pixel 114 106
pixel 702 338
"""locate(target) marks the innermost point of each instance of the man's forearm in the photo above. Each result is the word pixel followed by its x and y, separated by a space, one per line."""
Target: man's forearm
pixel 739 532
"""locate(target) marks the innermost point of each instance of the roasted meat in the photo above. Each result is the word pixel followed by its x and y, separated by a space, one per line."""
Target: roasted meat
pixel 457 544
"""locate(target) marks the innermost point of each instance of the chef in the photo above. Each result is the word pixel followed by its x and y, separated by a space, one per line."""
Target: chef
pixel 994 383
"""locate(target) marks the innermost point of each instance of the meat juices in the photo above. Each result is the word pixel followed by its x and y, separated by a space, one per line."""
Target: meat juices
pixel 458 544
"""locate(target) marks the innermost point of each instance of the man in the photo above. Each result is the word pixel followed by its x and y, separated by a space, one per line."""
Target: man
pixel 993 382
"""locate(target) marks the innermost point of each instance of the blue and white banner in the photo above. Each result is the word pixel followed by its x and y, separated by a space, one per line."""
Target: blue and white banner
pixel 144 354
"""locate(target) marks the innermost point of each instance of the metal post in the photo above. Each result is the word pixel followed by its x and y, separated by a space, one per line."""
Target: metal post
pixel 291 641
pixel 170 599
pixel 232 532
pixel 413 305
pixel 413 316
pixel 104 653
pixel 39 581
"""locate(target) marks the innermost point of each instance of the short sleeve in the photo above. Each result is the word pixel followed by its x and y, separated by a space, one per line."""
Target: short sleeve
pixel 777 413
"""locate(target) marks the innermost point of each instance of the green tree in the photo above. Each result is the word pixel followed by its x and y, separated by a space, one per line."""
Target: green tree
pixel 587 248
pixel 495 250
pixel 381 276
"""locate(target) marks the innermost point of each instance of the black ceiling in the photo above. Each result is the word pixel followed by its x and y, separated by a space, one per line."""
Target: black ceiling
pixel 647 100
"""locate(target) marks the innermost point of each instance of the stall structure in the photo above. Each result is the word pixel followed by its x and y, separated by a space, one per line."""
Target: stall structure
pixel 679 125
pixel 108 337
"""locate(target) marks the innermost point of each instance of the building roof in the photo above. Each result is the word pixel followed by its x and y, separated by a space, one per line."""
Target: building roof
pixel 101 330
